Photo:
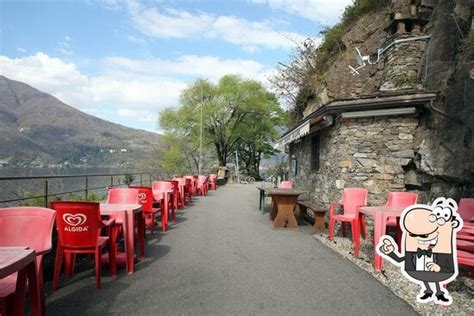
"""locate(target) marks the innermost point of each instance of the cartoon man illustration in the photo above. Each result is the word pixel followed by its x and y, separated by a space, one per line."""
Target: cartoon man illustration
pixel 428 253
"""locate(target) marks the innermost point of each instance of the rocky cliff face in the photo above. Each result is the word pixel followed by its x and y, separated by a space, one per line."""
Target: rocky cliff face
pixel 424 52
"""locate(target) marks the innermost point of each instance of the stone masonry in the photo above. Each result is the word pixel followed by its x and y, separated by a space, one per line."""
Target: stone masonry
pixel 430 153
pixel 366 152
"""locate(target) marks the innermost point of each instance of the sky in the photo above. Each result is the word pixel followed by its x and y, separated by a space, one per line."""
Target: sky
pixel 126 60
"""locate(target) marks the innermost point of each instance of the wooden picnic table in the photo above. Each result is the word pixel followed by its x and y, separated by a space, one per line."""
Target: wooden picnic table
pixel 284 201
pixel 23 261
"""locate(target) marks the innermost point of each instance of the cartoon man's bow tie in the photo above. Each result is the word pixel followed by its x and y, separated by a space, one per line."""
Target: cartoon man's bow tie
pixel 420 252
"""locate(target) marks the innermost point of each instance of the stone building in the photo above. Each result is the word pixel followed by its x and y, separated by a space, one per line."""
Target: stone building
pixel 404 121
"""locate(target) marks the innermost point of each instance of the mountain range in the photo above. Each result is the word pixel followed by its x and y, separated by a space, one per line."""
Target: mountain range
pixel 37 129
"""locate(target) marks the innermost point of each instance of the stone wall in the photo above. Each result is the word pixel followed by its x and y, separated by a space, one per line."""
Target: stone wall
pixel 432 154
pixel 402 65
pixel 367 152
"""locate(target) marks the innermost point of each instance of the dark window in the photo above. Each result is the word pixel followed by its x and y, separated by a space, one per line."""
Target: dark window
pixel 315 153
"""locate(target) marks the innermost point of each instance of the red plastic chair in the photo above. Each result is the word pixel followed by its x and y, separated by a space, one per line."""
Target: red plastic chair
pixel 465 247
pixel 145 198
pixel 192 185
pixel 175 185
pixel 190 189
pixel 202 185
pixel 466 209
pixel 30 227
pixel 160 193
pixel 467 259
pixel 399 199
pixel 286 184
pixel 122 196
pixel 125 196
pixel 182 185
pixel 79 225
pixel 352 199
pixel 213 181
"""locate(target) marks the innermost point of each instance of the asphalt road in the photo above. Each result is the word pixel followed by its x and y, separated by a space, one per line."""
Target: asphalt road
pixel 222 257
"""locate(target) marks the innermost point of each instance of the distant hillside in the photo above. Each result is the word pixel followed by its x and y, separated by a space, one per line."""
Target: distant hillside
pixel 39 130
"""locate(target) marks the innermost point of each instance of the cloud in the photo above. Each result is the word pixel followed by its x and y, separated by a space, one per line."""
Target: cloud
pixel 322 11
pixel 21 50
pixel 48 74
pixel 188 66
pixel 136 40
pixel 173 23
pixel 64 46
pixel 129 88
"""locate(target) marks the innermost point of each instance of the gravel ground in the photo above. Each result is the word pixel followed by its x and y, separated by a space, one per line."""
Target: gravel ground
pixel 222 257
pixel 461 289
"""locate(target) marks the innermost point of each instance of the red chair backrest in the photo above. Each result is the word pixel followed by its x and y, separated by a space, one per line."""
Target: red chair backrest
pixel 286 185
pixel 466 208
pixel 145 197
pixel 190 183
pixel 202 178
pixel 122 196
pixel 189 180
pixel 401 199
pixel 27 227
pixel 78 223
pixel 175 185
pixel 162 185
pixel 352 198
pixel 181 181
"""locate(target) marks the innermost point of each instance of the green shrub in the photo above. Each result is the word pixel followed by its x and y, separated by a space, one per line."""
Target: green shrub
pixel 128 179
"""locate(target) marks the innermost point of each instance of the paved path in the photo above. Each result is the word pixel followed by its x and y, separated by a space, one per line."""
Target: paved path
pixel 223 257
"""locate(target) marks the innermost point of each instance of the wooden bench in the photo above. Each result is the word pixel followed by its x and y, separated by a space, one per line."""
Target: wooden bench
pixel 317 211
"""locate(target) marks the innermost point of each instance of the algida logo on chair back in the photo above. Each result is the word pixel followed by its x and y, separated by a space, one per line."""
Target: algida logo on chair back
pixel 75 221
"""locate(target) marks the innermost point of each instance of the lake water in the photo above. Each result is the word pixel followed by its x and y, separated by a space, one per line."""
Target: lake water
pixel 12 189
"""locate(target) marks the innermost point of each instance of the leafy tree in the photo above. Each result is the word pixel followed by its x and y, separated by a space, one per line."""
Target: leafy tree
pixel 237 114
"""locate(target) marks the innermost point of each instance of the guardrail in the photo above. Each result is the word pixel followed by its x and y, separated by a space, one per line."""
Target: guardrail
pixel 143 178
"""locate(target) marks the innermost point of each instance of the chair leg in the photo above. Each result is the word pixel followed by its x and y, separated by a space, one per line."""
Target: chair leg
pixel 331 228
pixel 72 264
pixel 356 236
pixel 343 229
pixel 152 223
pixel 363 227
pixel 113 249
pixel 57 266
pixel 41 288
pixel 399 237
pixel 98 266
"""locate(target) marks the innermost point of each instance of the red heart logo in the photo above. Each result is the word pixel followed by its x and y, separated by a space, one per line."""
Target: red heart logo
pixel 142 198
pixel 74 219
